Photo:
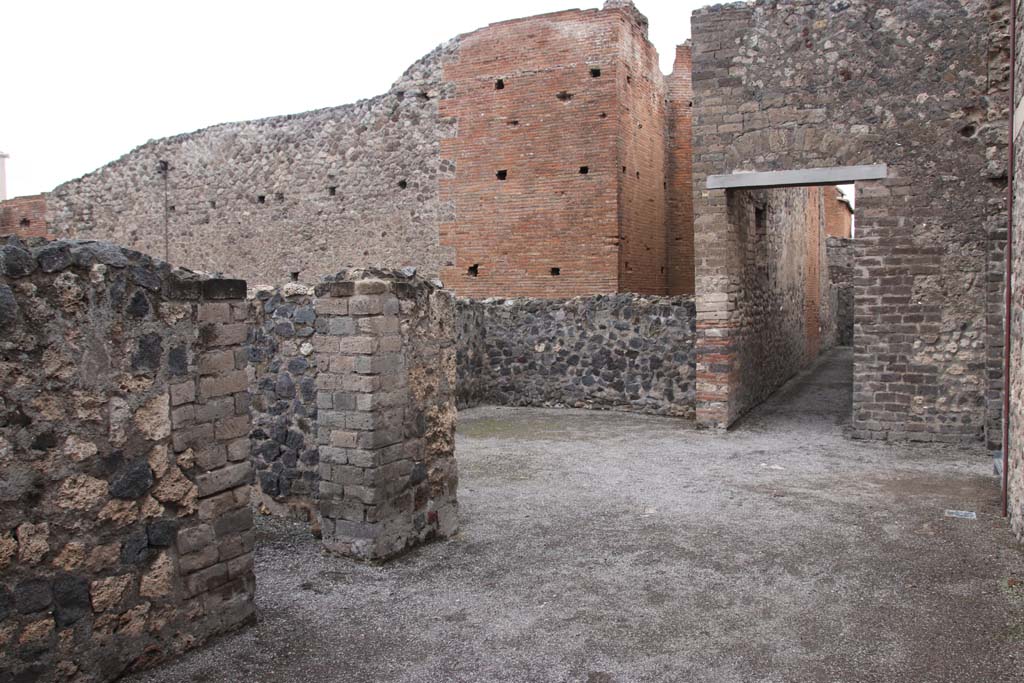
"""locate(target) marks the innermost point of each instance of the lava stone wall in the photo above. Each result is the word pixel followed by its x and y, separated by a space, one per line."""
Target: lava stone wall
pixel 125 528
pixel 919 85
pixel 841 263
pixel 386 423
pixel 263 199
pixel 620 351
pixel 284 411
pixel 1016 415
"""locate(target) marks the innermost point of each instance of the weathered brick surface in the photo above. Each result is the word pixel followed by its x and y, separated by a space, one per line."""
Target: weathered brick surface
pixel 621 352
pixel 385 413
pixel 826 84
pixel 679 250
pixel 123 542
pixel 24 217
pixel 838 215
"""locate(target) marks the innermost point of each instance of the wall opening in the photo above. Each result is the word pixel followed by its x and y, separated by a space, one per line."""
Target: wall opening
pixel 332 191
pixel 502 174
pixel 499 84
pixel 556 271
pixel 595 73
pixel 261 199
pixel 584 170
pixel 402 184
pixel 25 222
pixel 564 95
pixel 473 270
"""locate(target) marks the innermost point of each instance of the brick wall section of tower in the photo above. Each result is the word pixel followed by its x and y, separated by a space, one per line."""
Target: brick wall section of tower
pixel 643 153
pixel 386 421
pixel 550 118
pixel 125 529
pixel 307 193
pixel 679 249
pixel 24 217
pixel 838 217
pixel 841 84
pixel 1016 415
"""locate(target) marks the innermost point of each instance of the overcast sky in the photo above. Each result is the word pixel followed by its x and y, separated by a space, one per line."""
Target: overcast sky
pixel 89 80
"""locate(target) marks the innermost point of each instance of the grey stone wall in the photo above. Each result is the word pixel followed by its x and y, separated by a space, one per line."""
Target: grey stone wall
pixel 776 341
pixel 125 527
pixel 1015 471
pixel 620 351
pixel 840 265
pixel 283 388
pixel 386 423
pixel 919 85
pixel 305 193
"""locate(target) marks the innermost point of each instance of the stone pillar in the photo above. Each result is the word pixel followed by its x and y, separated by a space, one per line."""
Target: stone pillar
pixel 386 413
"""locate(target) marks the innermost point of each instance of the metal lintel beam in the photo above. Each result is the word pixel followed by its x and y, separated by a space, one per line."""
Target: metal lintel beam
pixel 835 175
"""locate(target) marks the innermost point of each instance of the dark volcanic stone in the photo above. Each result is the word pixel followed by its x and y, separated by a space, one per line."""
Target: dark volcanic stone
pixel 32 595
pixel 53 257
pixel 162 532
pixel 71 598
pixel 135 548
pixel 148 352
pixel 177 361
pixel 8 308
pixel 16 262
pixel 132 481
pixel 139 306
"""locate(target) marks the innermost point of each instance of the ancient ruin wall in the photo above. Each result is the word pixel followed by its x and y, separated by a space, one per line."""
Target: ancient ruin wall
pixel 919 86
pixel 386 413
pixel 535 187
pixel 643 181
pixel 125 528
pixel 284 399
pixel 305 193
pixel 1016 415
pixel 621 352
pixel 679 194
pixel 840 268
pixel 780 287
pixel 24 217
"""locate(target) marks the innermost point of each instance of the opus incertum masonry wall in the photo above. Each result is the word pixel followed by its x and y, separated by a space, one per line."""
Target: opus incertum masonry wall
pixel 1016 414
pixel 125 528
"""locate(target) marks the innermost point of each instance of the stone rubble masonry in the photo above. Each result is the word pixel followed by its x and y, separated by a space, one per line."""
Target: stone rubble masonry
pixel 125 529
pixel 284 399
pixel 303 193
pixel 24 217
pixel 841 262
pixel 920 86
pixel 385 352
pixel 620 351
pixel 1015 470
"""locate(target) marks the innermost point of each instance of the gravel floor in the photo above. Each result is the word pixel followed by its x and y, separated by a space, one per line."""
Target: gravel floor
pixel 606 547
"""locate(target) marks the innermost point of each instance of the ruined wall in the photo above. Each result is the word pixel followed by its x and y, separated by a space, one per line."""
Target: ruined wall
pixel 1016 416
pixel 779 290
pixel 304 193
pixel 623 351
pixel 24 217
pixel 386 421
pixel 841 269
pixel 838 217
pixel 643 180
pixel 919 86
pixel 537 99
pixel 283 389
pixel 679 193
pixel 125 528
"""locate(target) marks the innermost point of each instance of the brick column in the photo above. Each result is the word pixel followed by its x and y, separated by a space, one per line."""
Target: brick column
pixel 386 413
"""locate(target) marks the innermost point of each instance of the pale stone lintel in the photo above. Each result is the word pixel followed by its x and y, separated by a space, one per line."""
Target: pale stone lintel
pixel 1018 119
pixel 836 175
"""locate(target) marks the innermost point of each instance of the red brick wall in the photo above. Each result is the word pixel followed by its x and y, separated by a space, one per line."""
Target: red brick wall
pixel 838 219
pixel 24 216
pixel 642 144
pixel 546 214
pixel 679 219
pixel 812 267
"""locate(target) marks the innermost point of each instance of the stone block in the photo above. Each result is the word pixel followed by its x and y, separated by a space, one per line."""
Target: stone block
pixel 231 428
pixel 222 385
pixel 227 477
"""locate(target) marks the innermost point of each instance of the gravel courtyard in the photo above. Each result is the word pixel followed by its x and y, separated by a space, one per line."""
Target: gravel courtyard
pixel 601 547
